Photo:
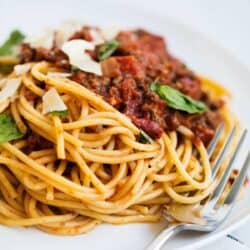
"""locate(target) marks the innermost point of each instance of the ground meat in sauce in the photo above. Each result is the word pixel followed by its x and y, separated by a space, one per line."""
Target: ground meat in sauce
pixel 37 142
pixel 55 56
pixel 140 58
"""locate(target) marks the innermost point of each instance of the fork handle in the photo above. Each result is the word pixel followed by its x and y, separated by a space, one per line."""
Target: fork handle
pixel 165 234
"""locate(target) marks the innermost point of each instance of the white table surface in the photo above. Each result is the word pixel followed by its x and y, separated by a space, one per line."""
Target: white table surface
pixel 228 23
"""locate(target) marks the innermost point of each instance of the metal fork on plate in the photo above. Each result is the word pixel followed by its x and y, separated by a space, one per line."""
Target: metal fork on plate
pixel 213 213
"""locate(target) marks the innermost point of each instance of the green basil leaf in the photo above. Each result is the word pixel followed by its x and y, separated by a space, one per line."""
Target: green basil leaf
pixel 154 86
pixel 177 100
pixel 15 38
pixel 145 138
pixel 74 68
pixel 8 129
pixel 6 68
pixel 184 66
pixel 107 49
pixel 60 113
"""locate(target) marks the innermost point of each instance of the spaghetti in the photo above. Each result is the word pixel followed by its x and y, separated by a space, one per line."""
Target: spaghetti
pixel 94 169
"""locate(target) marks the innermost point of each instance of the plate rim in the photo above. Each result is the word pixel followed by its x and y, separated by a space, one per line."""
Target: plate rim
pixel 210 238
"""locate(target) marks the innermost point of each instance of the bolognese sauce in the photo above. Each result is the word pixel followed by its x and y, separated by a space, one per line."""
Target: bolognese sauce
pixel 140 59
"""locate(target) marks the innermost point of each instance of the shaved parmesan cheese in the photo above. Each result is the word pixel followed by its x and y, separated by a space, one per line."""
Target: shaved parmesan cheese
pixel 9 89
pixel 66 30
pixel 104 34
pixel 59 74
pixel 76 51
pixel 45 40
pixel 52 102
pixel 96 36
pixel 21 69
pixel 109 33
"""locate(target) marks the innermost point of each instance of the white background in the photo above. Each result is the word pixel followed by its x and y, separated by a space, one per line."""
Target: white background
pixel 225 21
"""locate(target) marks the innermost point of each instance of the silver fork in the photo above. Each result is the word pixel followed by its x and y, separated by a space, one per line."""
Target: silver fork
pixel 213 214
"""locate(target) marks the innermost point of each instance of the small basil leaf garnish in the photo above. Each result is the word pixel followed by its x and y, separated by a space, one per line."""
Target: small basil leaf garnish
pixel 60 113
pixel 74 69
pixel 145 138
pixel 8 47
pixel 107 49
pixel 8 129
pixel 6 68
pixel 177 100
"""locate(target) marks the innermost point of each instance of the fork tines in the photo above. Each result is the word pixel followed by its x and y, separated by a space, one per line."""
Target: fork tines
pixel 216 195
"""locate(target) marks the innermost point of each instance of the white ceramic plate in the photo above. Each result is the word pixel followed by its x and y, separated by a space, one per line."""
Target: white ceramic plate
pixel 197 51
